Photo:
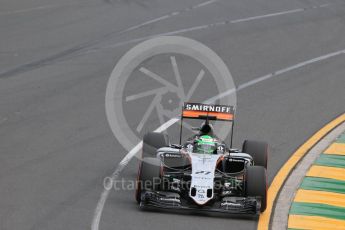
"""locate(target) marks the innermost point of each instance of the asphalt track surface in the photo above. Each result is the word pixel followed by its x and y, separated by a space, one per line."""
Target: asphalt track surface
pixel 56 57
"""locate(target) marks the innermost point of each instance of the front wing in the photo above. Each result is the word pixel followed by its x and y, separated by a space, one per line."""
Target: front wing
pixel 172 201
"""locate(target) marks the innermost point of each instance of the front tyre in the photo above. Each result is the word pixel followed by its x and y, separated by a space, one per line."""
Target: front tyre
pixel 258 150
pixel 256 184
pixel 148 178
pixel 153 141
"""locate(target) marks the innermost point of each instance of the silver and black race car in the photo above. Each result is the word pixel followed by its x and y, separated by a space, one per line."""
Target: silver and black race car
pixel 203 173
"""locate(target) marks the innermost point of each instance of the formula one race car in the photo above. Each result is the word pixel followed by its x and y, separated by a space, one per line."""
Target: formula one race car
pixel 203 174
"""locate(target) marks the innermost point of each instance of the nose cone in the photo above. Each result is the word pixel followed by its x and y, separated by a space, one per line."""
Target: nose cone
pixel 201 195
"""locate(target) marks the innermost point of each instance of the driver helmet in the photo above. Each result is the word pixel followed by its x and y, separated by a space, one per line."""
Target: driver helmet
pixel 205 144
pixel 206 129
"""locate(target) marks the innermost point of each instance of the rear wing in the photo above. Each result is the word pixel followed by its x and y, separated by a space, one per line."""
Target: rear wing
pixel 208 112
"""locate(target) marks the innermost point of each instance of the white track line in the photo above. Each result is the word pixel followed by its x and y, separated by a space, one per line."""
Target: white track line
pixel 204 4
pixel 126 30
pixel 136 149
pixel 268 15
pixel 216 24
pixel 29 9
pixel 172 14
pixel 101 202
pixel 43 7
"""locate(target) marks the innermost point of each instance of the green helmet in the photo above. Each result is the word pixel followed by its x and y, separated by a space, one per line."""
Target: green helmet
pixel 205 144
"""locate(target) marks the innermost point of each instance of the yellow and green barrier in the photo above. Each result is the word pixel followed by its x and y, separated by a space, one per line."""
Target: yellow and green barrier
pixel 320 201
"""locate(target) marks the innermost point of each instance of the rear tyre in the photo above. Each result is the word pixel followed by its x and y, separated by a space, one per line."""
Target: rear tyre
pixel 148 178
pixel 258 150
pixel 256 184
pixel 153 141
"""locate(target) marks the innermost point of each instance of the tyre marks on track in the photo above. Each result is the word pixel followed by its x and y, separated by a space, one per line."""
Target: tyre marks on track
pixel 88 45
